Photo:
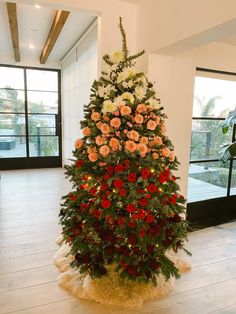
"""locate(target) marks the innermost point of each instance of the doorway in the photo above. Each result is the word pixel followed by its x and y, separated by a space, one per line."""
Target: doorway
pixel 30 118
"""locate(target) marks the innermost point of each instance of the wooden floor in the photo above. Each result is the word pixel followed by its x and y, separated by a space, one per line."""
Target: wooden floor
pixel 29 205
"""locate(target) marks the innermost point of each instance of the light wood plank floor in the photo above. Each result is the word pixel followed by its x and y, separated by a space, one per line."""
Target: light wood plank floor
pixel 29 206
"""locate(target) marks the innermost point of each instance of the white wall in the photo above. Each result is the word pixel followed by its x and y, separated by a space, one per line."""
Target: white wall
pixel 174 77
pixel 79 69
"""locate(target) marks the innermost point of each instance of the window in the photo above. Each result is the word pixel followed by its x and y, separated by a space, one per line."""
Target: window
pixel 214 97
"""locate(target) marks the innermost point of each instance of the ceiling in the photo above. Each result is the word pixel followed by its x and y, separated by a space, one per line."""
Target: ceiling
pixel 229 40
pixel 33 27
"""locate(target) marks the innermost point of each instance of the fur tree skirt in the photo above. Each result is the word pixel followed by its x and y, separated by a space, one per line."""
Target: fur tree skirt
pixel 111 289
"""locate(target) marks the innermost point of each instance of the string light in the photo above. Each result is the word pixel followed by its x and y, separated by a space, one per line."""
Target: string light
pixel 89 178
pixel 152 170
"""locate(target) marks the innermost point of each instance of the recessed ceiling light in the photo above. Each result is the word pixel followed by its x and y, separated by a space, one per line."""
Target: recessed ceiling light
pixel 37 6
pixel 31 46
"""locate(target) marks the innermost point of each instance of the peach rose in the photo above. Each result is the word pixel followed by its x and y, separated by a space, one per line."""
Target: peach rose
pixel 165 152
pixel 141 108
pixel 78 143
pixel 95 116
pixel 114 143
pixel 151 125
pixel 155 156
pixel 115 122
pixel 158 140
pixel 105 129
pixel 99 124
pixel 99 140
pixel 93 157
pixel 91 150
pixel 157 118
pixel 125 110
pixel 142 148
pixel 138 118
pixel 144 140
pixel 171 156
pixel 86 131
pixel 106 118
pixel 130 146
pixel 104 150
pixel 133 135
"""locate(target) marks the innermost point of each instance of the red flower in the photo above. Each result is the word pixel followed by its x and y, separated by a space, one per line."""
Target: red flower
pixel 110 170
pixel 162 178
pixel 110 220
pixel 143 202
pixel 152 188
pixel 172 199
pixel 106 203
pixel 173 178
pixel 148 196
pixel 132 239
pixel 97 213
pixel 79 163
pixel 154 265
pixel 123 192
pixel 72 197
pixel 83 186
pixel 145 173
pixel 140 191
pixel 121 220
pixel 130 208
pixel 132 224
pixel 132 177
pixel 126 163
pixel 141 213
pixel 93 191
pixel 132 270
pixel 104 187
pixel 118 184
pixel 150 218
pixel 136 216
pixel 142 232
pixel 106 177
pixel 119 168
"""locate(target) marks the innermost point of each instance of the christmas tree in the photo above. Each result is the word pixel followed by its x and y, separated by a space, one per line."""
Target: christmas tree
pixel 125 208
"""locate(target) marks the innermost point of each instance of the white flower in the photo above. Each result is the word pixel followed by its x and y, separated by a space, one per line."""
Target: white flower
pixel 117 57
pixel 119 101
pixel 108 106
pixel 128 84
pixel 104 91
pixel 153 103
pixel 140 92
pixel 127 73
pixel 128 96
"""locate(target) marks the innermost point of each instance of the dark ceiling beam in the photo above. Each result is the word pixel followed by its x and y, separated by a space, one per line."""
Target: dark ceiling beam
pixel 55 30
pixel 13 23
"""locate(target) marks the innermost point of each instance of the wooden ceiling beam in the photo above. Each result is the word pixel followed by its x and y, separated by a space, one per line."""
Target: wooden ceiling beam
pixel 13 23
pixel 55 30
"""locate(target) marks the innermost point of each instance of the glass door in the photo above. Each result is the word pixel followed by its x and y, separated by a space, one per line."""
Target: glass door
pixel 30 118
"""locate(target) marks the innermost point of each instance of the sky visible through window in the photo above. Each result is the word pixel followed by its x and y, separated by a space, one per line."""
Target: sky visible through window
pixel 206 88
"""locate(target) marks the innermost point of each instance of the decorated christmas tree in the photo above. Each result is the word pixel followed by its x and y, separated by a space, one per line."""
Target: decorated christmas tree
pixel 125 208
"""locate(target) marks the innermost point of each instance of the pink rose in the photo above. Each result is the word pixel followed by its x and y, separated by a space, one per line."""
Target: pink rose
pixel 86 131
pixel 151 125
pixel 78 143
pixel 141 108
pixel 117 133
pixel 133 135
pixel 125 131
pixel 130 146
pixel 116 113
pixel 99 140
pixel 104 150
pixel 95 116
pixel 115 122
pixel 102 164
pixel 105 129
pixel 93 157
pixel 138 119
pixel 129 124
pixel 125 110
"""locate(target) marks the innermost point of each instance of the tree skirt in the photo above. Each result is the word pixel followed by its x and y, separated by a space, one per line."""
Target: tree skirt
pixel 111 289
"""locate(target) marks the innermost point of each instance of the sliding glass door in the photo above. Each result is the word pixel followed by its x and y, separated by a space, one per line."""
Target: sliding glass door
pixel 30 118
